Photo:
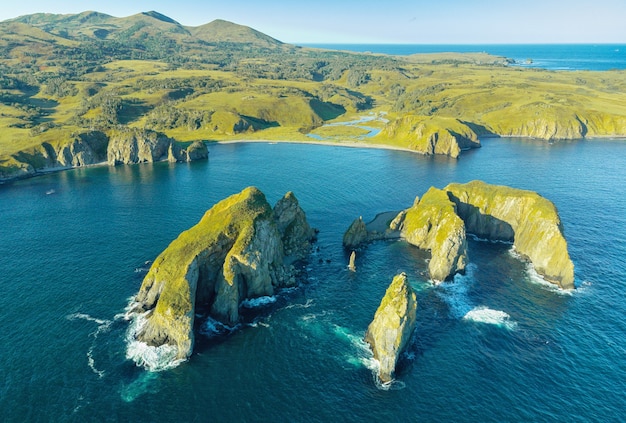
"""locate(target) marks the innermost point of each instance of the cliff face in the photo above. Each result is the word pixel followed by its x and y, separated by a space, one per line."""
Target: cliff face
pixel 235 252
pixel 146 146
pixel 393 324
pixel 137 146
pixel 524 217
pixel 84 149
pixel 431 135
pixel 433 224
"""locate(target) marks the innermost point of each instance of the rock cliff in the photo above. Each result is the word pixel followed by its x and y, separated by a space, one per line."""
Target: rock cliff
pixel 235 252
pixel 524 217
pixel 82 149
pixel 394 322
pixel 433 224
pixel 356 234
pixel 134 145
pixel 431 135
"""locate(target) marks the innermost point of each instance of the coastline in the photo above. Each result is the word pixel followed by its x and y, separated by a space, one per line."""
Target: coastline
pixel 350 144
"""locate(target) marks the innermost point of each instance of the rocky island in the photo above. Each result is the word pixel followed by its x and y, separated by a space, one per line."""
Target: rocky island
pixel 241 249
pixel 394 322
pixel 439 221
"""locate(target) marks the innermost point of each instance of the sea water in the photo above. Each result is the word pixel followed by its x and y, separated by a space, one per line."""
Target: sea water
pixel 597 57
pixel 494 345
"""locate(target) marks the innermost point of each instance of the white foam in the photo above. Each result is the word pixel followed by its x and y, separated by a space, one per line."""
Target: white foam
pixel 259 301
pixel 83 316
pixel 455 292
pixel 537 279
pixel 103 326
pixel 491 241
pixel 490 316
pixel 308 304
pixel 154 359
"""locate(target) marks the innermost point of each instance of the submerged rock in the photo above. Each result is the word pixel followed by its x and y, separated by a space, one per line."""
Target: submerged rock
pixel 433 224
pixel 394 322
pixel 527 219
pixel 236 252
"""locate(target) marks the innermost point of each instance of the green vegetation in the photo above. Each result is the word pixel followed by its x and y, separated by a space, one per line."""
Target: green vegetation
pixel 64 75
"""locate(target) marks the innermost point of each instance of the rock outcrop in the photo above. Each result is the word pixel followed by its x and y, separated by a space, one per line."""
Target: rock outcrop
pixel 356 234
pixel 235 252
pixel 394 322
pixel 82 149
pixel 527 219
pixel 431 135
pixel 433 224
pixel 130 146
pixel 439 222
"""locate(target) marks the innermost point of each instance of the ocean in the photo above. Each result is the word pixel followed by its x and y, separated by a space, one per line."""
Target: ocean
pixel 494 345
pixel 597 57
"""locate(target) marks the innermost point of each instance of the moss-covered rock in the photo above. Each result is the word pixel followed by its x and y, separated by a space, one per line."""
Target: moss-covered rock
pixel 524 217
pixel 433 224
pixel 235 252
pixel 394 322
pixel 430 135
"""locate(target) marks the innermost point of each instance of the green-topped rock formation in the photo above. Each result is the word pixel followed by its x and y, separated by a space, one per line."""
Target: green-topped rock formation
pixel 394 322
pixel 433 224
pixel 241 249
pixel 439 222
pixel 527 219
pixel 430 135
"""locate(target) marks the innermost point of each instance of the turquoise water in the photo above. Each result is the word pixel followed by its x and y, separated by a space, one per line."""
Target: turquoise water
pixel 598 57
pixel 495 345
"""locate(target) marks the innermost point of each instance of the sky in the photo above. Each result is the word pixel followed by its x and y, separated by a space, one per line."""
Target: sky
pixel 380 21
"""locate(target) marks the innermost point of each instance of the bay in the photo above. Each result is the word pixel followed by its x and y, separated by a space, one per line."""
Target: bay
pixel 494 345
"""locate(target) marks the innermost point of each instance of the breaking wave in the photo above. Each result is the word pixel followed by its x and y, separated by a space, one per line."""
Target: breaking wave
pixel 456 294
pixel 489 316
pixel 259 301
pixel 154 359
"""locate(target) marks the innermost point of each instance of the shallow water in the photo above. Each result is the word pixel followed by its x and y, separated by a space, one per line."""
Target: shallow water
pixel 494 345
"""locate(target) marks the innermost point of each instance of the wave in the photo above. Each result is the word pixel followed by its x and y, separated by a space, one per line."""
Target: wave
pixel 490 316
pixel 259 301
pixel 103 326
pixel 154 359
pixel 456 294
pixel 537 279
pixel 212 328
pixel 491 241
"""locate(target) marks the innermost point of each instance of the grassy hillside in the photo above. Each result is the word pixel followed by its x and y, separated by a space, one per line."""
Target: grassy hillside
pixel 63 75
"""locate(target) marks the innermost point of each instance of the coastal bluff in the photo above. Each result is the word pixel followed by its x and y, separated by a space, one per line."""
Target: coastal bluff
pixel 134 145
pixel 394 321
pixel 241 249
pixel 530 221
pixel 440 220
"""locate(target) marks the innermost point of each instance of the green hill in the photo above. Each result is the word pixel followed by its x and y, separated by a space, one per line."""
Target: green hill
pixel 64 78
